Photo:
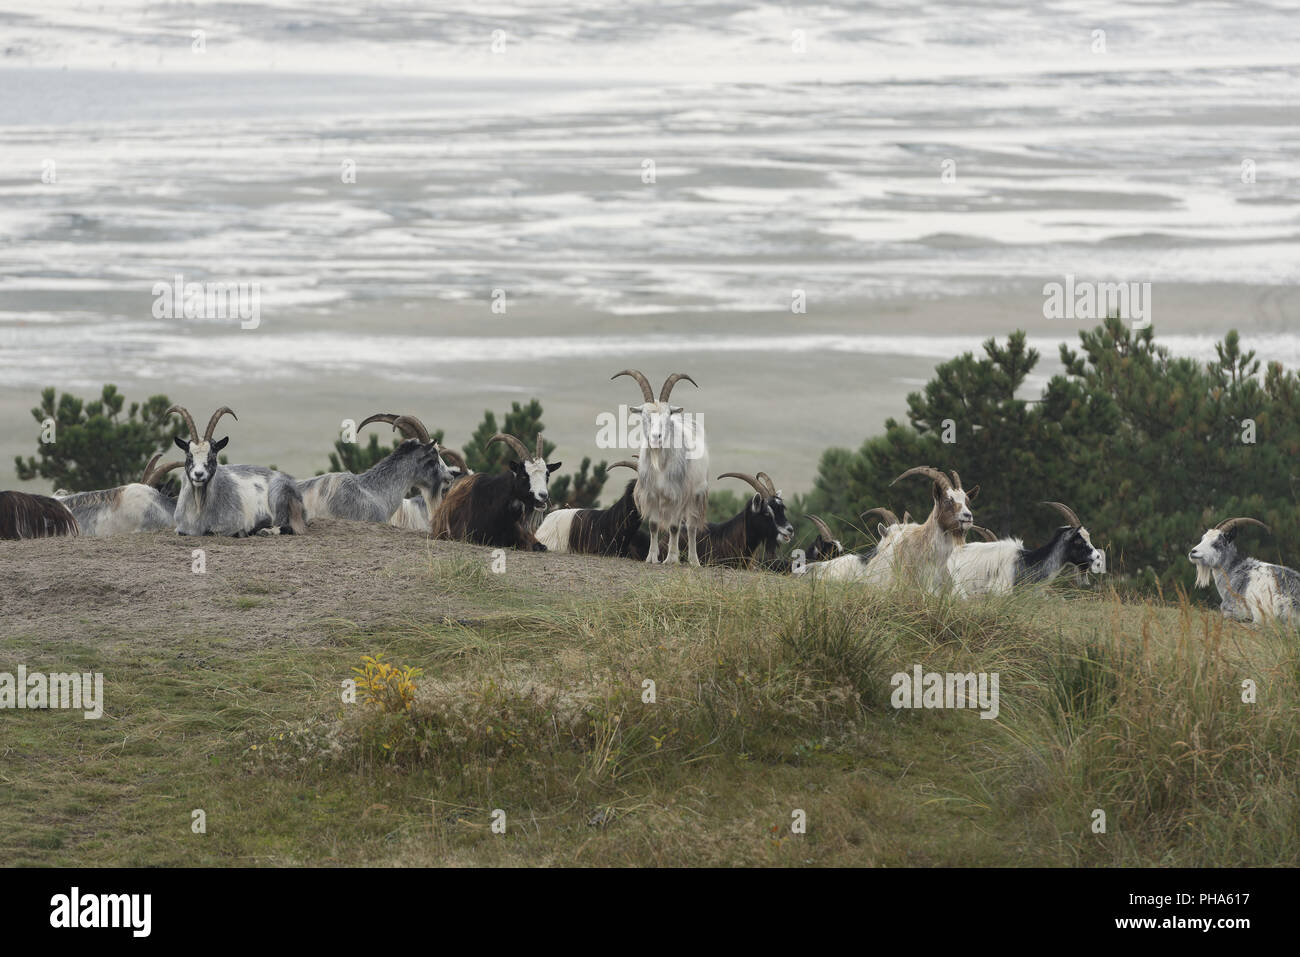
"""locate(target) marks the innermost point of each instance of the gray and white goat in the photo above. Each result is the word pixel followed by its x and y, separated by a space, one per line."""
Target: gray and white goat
pixel 377 494
pixel 235 500
pixel 413 514
pixel 126 509
pixel 672 489
pixel 1250 590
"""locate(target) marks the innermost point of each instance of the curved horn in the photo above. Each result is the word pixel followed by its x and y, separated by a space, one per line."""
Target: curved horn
pixel 671 381
pixel 747 478
pixel 216 417
pixel 1066 511
pixel 153 460
pixel 155 477
pixel 626 463
pixel 641 380
pixel 386 417
pixel 514 443
pixel 189 420
pixel 987 535
pixel 455 458
pixel 767 480
pixel 821 528
pixel 932 473
pixel 956 479
pixel 1229 524
pixel 889 517
pixel 412 428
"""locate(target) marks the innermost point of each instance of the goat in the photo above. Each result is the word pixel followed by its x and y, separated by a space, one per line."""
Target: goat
pixel 996 566
pixel 762 523
pixel 496 509
pixel 824 546
pixel 672 488
pixel 598 531
pixel 914 553
pixel 857 566
pixel 23 515
pixel 376 495
pixel 126 509
pixel 413 514
pixel 1250 590
pixel 236 500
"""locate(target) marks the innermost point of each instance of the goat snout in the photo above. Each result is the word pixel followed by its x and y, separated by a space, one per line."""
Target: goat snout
pixel 784 533
pixel 1194 555
pixel 1098 564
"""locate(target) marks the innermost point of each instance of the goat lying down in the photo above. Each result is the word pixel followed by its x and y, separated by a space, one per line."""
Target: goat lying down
pixel 824 546
pixel 762 523
pixel 23 515
pixel 127 509
pixel 598 531
pixel 997 566
pixel 236 500
pixel 376 495
pixel 497 509
pixel 413 514
pixel 856 566
pixel 1249 590
pixel 915 554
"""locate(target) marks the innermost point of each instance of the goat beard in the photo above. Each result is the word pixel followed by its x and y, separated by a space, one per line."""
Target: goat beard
pixel 1204 575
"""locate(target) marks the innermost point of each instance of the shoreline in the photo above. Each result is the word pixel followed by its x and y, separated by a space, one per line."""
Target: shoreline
pixel 772 409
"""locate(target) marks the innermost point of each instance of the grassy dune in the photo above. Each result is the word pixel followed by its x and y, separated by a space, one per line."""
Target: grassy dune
pixel 771 695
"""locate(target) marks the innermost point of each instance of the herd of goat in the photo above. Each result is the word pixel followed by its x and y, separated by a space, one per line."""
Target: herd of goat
pixel 669 495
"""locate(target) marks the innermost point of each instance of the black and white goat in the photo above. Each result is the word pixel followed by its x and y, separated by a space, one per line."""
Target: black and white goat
pixel 824 546
pixel 23 515
pixel 762 523
pixel 496 509
pixel 672 489
pixel 377 494
pixel 236 500
pixel 598 531
pixel 126 509
pixel 1250 590
pixel 995 567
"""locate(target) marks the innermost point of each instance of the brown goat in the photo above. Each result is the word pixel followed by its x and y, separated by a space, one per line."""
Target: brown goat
pixel 34 516
pixel 919 554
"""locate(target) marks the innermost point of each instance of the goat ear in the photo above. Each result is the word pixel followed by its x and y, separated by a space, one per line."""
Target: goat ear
pixel 552 466
pixel 972 492
pixel 516 467
pixel 756 503
pixel 936 491
pixel 182 444
pixel 220 444
pixel 635 408
pixel 674 409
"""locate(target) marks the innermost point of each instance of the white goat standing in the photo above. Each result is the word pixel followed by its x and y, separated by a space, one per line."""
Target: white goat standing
pixel 672 489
